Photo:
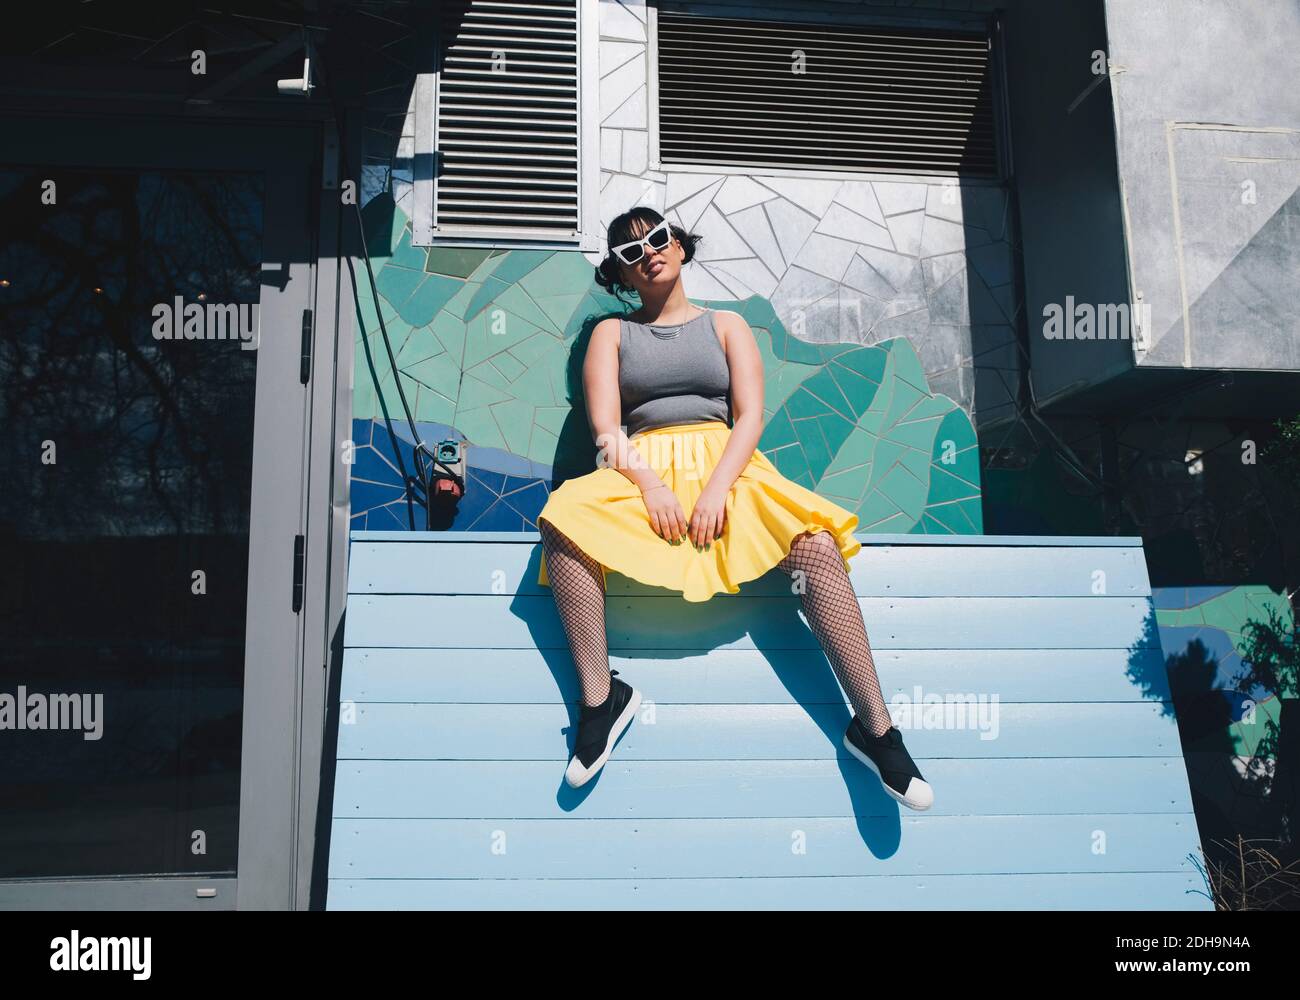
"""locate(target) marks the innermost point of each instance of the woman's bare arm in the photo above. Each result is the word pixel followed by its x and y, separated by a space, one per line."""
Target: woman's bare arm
pixel 746 366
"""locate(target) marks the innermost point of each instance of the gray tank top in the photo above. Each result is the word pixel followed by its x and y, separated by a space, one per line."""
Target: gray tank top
pixel 674 374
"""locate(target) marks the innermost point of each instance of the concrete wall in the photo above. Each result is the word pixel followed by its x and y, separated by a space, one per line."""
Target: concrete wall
pixel 1208 119
pixel 1065 180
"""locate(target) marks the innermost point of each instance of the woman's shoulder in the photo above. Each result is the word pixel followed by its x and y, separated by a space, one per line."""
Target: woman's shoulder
pixel 725 320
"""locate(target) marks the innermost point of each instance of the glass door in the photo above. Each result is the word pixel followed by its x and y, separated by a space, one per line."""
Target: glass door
pixel 153 282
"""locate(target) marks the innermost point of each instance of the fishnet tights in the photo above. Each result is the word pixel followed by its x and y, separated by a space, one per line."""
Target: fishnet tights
pixel 579 591
pixel 826 596
pixel 833 613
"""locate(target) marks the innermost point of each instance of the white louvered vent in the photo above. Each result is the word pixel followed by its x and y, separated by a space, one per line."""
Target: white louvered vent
pixel 900 100
pixel 507 136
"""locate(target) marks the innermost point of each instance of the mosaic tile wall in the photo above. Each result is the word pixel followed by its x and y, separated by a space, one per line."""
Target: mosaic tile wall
pixel 884 309
pixel 489 349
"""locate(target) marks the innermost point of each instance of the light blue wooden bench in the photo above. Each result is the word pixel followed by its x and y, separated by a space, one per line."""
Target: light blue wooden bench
pixel 733 789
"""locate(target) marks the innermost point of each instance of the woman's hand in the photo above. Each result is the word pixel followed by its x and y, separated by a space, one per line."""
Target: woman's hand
pixel 709 518
pixel 666 515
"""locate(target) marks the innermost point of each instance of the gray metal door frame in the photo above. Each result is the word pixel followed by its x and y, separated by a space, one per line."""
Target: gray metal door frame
pixel 292 496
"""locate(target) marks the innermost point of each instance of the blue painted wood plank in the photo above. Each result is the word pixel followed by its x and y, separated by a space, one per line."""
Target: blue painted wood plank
pixel 1072 736
pixel 733 848
pixel 886 571
pixel 436 789
pixel 748 676
pixel 867 538
pixel 752 732
pixel 479 621
pixel 1075 891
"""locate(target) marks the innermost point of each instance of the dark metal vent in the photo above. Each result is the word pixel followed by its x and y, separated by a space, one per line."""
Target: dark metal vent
pixel 738 92
pixel 507 119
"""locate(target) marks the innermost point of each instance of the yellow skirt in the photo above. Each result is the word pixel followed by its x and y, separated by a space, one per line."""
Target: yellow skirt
pixel 604 513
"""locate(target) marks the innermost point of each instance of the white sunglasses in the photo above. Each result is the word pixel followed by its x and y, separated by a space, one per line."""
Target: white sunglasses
pixel 656 239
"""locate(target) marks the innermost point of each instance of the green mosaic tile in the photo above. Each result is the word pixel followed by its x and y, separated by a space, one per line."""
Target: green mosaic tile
pixel 875 508
pixel 815 447
pixel 931 526
pixel 944 486
pixel 905 396
pixel 405 255
pixel 804 405
pixel 559 309
pixel 857 389
pixel 533 385
pixel 427 299
pixel 848 483
pixel 917 463
pixel 487 293
pixel 822 384
pixel 483 386
pixel 951 517
pixel 515 418
pixel 869 362
pixel 544 441
pixel 434 407
pixel 519 263
pixel 788 348
pixel 757 312
pixel 507 365
pixel 973 510
pixel 460 302
pixel 791 463
pixel 957 428
pixel 517 302
pixel 565 272
pixel 928 407
pixel 539 348
pixel 450 333
pixel 479 427
pixel 397 283
pixel 492 332
pixel 778 432
pixel 907 365
pixel 858 448
pixel 917 434
pixel 886 456
pixel 905 490
pixel 454 262
pixel 364 400
pixel 441 373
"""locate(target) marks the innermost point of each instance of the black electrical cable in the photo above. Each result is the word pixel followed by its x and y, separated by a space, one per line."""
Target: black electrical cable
pixel 413 486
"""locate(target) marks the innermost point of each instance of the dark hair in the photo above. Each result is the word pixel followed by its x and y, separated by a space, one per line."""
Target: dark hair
pixel 623 229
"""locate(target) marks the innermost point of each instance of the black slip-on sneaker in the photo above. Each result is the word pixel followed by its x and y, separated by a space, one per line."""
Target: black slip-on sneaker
pixel 599 727
pixel 888 757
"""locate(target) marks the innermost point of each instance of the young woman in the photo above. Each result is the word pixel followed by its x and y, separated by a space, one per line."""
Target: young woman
pixel 674 396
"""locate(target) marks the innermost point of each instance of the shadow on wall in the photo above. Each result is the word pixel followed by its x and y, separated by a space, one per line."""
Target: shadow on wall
pixel 1232 665
pixel 489 346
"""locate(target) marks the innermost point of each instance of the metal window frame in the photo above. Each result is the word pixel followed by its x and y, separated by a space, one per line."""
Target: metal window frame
pixel 424 193
pixel 830 13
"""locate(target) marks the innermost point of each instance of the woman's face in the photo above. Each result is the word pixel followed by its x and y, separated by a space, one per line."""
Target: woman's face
pixel 658 269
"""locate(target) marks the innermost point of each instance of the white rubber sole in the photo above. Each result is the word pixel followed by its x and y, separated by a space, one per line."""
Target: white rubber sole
pixel 576 775
pixel 921 803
